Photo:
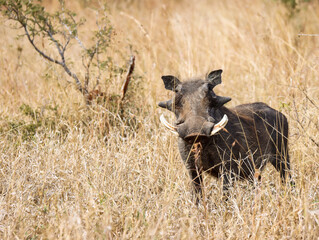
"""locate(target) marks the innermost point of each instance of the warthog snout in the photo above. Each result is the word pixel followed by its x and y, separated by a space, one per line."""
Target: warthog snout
pixel 195 127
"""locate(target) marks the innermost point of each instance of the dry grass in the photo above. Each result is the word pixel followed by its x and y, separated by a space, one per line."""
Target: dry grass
pixel 88 174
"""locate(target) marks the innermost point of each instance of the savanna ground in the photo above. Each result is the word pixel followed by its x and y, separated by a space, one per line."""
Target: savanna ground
pixel 68 171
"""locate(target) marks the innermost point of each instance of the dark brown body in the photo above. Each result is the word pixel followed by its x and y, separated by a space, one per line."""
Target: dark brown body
pixel 254 135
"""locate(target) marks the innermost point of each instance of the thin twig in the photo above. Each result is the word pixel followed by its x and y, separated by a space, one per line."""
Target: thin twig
pixel 128 76
pixel 57 44
pixel 69 30
pixel 310 100
pixel 67 43
pixel 97 52
pixel 37 49
pixel 87 74
pixel 139 24
pixel 63 63
pixel 98 65
pixel 75 36
pixel 302 127
pixel 308 35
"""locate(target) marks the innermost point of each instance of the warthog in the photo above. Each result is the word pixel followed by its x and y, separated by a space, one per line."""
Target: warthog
pixel 231 143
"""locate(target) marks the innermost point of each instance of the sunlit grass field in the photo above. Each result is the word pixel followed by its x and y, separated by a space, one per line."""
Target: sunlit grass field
pixel 71 171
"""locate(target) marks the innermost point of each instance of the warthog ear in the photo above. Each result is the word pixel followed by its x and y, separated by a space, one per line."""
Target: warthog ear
pixel 222 100
pixel 215 77
pixel 166 104
pixel 170 82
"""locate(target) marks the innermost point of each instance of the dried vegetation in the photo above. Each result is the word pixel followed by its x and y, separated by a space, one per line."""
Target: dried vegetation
pixel 104 171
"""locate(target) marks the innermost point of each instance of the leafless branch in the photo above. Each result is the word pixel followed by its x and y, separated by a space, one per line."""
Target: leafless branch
pixel 128 76
pixel 98 64
pixel 87 67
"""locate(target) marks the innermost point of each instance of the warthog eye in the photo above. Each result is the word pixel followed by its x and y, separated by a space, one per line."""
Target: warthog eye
pixel 178 89
pixel 178 101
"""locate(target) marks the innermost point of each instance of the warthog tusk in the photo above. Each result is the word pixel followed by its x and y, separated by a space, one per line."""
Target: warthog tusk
pixel 167 125
pixel 220 125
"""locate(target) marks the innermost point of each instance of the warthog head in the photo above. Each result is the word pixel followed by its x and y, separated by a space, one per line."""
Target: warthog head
pixel 195 106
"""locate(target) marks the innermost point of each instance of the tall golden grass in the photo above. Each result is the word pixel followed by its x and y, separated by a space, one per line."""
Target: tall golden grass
pixel 85 177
